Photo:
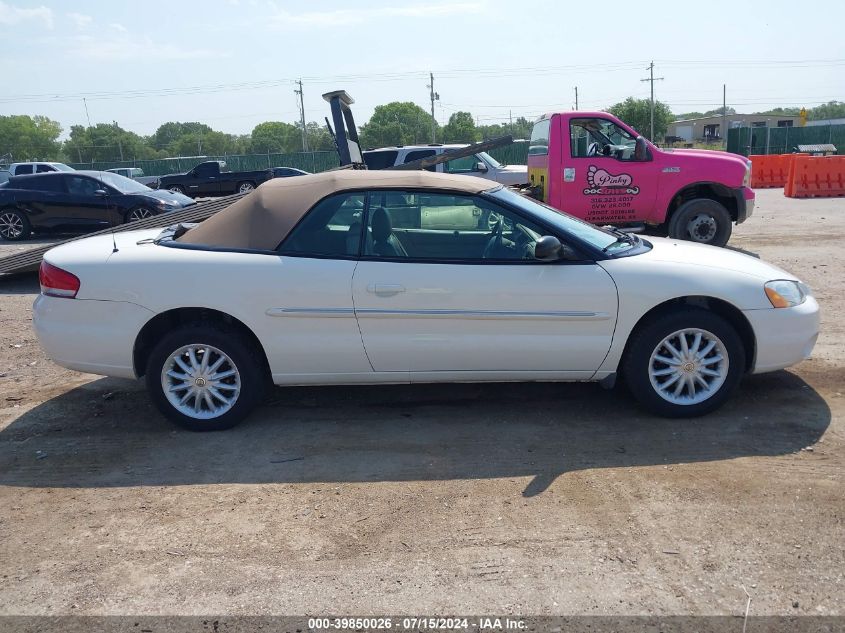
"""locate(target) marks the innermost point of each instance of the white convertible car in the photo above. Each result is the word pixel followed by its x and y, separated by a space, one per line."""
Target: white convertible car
pixel 357 277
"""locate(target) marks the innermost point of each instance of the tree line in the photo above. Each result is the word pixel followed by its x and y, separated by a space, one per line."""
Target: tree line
pixel 24 137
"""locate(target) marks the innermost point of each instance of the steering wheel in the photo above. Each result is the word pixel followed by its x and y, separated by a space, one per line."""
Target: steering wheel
pixel 593 149
pixel 495 242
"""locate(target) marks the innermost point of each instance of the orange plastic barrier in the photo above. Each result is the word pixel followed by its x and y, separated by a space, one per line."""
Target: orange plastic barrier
pixel 770 170
pixel 816 177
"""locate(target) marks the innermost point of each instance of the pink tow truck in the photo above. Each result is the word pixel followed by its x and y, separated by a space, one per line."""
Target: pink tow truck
pixel 593 166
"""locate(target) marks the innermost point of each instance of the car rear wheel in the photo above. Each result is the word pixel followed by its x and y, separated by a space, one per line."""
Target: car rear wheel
pixel 139 213
pixel 701 220
pixel 245 187
pixel 205 377
pixel 176 189
pixel 14 225
pixel 684 364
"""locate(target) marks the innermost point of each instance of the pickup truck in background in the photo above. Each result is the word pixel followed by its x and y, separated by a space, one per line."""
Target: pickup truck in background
pixel 136 174
pixel 212 178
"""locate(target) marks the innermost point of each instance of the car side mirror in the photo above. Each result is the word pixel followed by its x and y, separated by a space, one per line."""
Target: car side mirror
pixel 480 166
pixel 547 249
pixel 641 149
pixel 101 192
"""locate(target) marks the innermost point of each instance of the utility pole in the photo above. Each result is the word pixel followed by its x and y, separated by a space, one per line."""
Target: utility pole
pixel 576 98
pixel 302 115
pixel 725 119
pixel 434 97
pixel 651 79
pixel 87 116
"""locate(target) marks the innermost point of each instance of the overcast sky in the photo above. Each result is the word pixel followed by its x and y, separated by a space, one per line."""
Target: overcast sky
pixel 231 63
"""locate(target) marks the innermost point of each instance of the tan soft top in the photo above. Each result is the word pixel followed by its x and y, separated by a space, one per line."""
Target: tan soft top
pixel 262 219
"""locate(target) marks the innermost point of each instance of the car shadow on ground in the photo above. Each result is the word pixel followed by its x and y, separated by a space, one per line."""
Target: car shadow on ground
pixel 106 434
pixel 20 284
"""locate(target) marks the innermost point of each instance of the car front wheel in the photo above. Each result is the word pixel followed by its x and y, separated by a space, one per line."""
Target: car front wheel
pixel 176 189
pixel 14 225
pixel 684 364
pixel 139 213
pixel 204 377
pixel 245 187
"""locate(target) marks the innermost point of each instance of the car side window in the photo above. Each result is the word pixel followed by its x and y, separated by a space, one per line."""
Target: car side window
pixel 81 186
pixel 420 226
pixel 465 165
pixel 418 154
pixel 596 137
pixel 21 170
pixel 332 228
pixel 380 160
pixel 41 168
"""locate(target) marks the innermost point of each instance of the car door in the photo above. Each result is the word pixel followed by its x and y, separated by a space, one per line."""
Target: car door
pixel 205 180
pixel 310 332
pixel 451 303
pixel 82 204
pixel 603 182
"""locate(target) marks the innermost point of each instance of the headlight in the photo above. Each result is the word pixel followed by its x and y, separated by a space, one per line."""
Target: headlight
pixel 784 293
pixel 746 180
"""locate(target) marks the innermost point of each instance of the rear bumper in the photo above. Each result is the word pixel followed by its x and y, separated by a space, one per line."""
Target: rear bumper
pixel 97 337
pixel 744 203
pixel 784 336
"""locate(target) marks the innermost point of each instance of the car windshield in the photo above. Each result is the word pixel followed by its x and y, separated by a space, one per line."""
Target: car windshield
pixel 121 183
pixel 599 238
pixel 62 167
pixel 490 160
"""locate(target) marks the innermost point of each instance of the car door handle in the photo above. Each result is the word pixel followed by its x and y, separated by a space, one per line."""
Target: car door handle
pixel 385 290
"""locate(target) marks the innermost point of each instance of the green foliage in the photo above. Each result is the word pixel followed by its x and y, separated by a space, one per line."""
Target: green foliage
pixel 635 112
pixel 701 115
pixel 519 129
pixel 26 137
pixel 460 129
pixel 397 123
pixel 275 136
pixel 103 142
pixel 829 110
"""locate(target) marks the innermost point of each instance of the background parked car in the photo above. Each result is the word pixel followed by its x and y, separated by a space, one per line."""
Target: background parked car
pixel 481 164
pixel 78 199
pixel 212 178
pixel 136 174
pixel 21 169
pixel 285 172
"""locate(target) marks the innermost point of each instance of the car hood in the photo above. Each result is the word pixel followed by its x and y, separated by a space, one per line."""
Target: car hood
pixel 168 196
pixel 515 169
pixel 680 252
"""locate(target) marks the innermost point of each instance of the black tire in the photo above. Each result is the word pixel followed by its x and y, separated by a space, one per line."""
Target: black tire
pixel 176 189
pixel 245 187
pixel 14 225
pixel 130 215
pixel 644 342
pixel 701 220
pixel 244 357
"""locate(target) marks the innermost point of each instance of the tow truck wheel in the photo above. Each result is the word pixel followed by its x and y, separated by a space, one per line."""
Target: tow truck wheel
pixel 702 220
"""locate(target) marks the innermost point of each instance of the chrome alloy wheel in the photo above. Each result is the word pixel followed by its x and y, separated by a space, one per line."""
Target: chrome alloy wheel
pixel 245 187
pixel 140 214
pixel 11 225
pixel 688 366
pixel 702 228
pixel 200 381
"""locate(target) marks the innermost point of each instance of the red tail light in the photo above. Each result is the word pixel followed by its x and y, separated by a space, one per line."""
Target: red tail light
pixel 56 282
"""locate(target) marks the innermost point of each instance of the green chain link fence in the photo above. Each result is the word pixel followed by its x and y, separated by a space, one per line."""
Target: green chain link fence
pixel 783 140
pixel 514 154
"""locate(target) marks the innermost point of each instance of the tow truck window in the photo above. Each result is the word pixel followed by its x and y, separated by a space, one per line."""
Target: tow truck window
pixel 539 144
pixel 590 138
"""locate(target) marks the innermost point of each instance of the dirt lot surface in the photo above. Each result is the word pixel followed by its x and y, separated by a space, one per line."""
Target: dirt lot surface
pixel 528 499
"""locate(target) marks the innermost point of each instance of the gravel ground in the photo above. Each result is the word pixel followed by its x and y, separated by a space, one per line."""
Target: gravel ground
pixel 527 499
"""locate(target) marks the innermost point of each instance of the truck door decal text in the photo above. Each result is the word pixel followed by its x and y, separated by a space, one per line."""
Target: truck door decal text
pixel 613 196
pixel 602 182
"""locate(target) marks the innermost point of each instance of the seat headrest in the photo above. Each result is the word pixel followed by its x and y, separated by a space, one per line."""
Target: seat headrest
pixel 382 227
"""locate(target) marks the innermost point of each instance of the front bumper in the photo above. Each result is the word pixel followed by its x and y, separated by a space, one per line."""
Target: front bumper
pixel 96 337
pixel 785 336
pixel 744 203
